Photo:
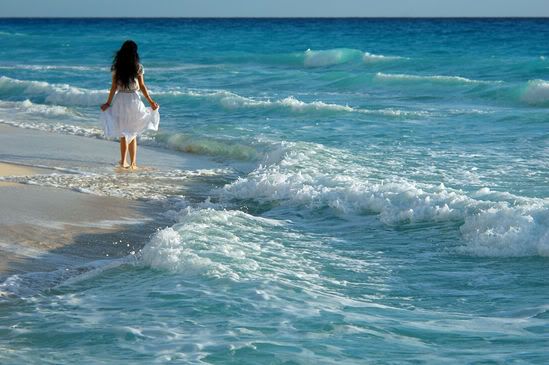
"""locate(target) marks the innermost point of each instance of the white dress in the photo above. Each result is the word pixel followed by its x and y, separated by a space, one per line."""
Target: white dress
pixel 127 116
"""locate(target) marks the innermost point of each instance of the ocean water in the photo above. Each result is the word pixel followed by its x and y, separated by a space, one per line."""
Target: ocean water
pixel 386 198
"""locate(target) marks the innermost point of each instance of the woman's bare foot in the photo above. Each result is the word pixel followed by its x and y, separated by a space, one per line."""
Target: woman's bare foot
pixel 133 167
pixel 123 165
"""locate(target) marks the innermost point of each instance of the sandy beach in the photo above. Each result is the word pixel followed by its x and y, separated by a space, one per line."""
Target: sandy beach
pixel 52 218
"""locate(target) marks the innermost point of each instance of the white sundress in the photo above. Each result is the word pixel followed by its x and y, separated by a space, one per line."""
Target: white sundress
pixel 127 116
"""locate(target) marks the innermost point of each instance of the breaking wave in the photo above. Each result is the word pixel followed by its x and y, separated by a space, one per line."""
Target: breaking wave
pixel 311 176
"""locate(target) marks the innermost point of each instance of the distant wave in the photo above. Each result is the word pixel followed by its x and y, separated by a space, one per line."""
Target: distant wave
pixel 311 176
pixel 315 58
pixel 329 57
pixel 536 92
pixel 67 95
pixel 532 92
pixel 61 94
pixel 182 67
pixel 230 100
pixel 35 67
pixel 434 78
pixel 53 67
pixel 11 34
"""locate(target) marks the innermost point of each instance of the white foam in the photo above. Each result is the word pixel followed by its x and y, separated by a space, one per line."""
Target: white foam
pixel 508 231
pixel 313 176
pixel 223 244
pixel 27 106
pixel 536 92
pixel 371 58
pixel 140 185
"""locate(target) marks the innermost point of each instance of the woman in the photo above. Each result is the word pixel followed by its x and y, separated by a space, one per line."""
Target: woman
pixel 126 116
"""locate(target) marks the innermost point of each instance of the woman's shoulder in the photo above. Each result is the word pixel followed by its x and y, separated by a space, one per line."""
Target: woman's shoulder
pixel 140 69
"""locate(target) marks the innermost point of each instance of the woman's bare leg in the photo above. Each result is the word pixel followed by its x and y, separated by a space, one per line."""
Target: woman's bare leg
pixel 133 153
pixel 123 152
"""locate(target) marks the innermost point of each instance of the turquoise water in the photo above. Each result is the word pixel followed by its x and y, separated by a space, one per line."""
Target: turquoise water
pixel 394 208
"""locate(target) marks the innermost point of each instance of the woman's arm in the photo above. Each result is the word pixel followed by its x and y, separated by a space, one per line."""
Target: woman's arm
pixel 111 94
pixel 145 92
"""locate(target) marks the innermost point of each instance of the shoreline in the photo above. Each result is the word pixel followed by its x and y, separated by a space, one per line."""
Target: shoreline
pixel 54 217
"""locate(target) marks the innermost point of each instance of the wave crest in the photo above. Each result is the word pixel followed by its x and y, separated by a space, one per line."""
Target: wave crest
pixel 536 92
pixel 336 56
pixel 430 78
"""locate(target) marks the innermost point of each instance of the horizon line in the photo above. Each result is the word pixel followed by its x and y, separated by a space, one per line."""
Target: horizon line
pixel 274 17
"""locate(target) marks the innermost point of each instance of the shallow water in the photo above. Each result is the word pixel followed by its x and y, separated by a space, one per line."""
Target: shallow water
pixel 397 207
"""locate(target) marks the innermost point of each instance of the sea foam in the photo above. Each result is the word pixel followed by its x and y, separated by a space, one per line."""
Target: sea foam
pixel 228 244
pixel 309 177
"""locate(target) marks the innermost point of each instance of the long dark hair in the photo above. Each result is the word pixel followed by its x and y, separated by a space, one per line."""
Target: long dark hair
pixel 126 63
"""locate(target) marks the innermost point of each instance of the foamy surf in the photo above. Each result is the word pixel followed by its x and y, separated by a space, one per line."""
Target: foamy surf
pixel 491 224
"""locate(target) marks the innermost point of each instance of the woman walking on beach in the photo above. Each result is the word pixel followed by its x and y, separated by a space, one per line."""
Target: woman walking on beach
pixel 126 116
